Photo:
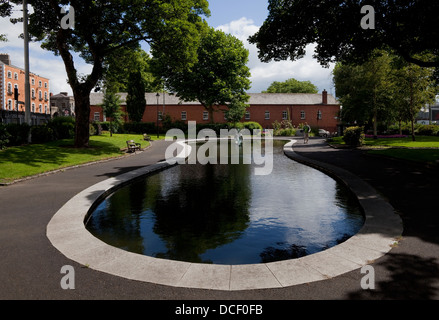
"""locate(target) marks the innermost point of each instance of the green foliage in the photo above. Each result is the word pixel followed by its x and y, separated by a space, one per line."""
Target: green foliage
pixel 113 111
pixel 219 77
pixel 4 137
pixel 63 127
pixel 292 86
pixel 354 136
pixel 42 134
pixel 136 101
pixel 335 26
pixel 140 127
pixel 428 130
pixel 19 133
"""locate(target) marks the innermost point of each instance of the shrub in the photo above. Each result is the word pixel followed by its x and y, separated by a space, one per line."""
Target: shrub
pixel 427 130
pixel 4 137
pixel 252 125
pixel 354 136
pixel 42 134
pixel 285 132
pixel 140 127
pixel 62 127
pixel 19 133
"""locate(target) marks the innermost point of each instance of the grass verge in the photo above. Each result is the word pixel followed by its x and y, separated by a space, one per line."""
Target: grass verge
pixel 29 160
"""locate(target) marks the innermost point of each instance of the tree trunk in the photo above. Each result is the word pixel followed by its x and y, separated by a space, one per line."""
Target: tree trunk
pixel 82 116
pixel 413 129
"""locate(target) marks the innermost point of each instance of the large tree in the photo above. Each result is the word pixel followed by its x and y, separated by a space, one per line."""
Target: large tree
pixel 292 86
pixel 171 27
pixel 219 77
pixel 409 27
pixel 366 91
pixel 136 101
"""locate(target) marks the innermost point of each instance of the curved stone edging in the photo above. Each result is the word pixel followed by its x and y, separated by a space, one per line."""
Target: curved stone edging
pixel 68 234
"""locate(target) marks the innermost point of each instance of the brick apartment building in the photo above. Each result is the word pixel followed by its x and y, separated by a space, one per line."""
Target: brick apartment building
pixel 319 110
pixel 14 77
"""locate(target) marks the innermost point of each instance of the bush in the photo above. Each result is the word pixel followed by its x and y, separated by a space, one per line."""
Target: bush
pixel 427 130
pixel 140 127
pixel 354 136
pixel 62 127
pixel 42 134
pixel 4 137
pixel 19 133
pixel 285 132
pixel 252 125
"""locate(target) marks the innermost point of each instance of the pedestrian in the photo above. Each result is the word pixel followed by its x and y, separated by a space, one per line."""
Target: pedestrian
pixel 306 131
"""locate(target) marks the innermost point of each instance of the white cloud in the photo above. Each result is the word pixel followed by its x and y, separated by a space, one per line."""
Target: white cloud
pixel 263 74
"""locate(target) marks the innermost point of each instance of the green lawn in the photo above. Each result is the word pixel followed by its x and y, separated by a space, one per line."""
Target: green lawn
pixel 28 160
pixel 421 150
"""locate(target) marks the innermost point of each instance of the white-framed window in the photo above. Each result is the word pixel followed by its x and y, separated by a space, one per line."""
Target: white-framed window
pixel 9 104
pixel 160 116
pixel 184 115
pixel 10 91
pixel 33 107
pixel 40 108
pixel 46 111
pixel 302 115
pixel 319 115
pixel 33 81
pixel 9 74
pixel 97 116
pixel 205 115
pixel 45 85
pixel 247 115
pixel 284 115
pixel 15 76
pixel 45 95
pixel 40 84
pixel 267 115
pixel 40 95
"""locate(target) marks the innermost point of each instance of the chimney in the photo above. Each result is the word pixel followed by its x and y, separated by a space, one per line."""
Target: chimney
pixel 4 57
pixel 325 97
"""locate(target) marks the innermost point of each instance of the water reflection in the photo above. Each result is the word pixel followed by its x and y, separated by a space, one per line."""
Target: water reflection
pixel 225 214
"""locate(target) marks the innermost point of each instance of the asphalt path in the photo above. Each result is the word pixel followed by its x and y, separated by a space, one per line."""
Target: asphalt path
pixel 30 267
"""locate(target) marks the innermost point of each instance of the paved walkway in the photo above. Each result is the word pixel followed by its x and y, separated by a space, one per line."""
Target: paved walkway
pixel 30 266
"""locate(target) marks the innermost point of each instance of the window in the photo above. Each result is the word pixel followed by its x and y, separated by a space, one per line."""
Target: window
pixel 45 85
pixel 33 94
pixel 247 115
pixel 9 74
pixel 183 116
pixel 45 95
pixel 33 107
pixel 40 95
pixel 40 108
pixel 97 116
pixel 302 115
pixel 319 115
pixel 33 82
pixel 10 104
pixel 284 115
pixel 15 76
pixel 45 109
pixel 160 116
pixel 9 88
pixel 205 115
pixel 267 115
pixel 40 84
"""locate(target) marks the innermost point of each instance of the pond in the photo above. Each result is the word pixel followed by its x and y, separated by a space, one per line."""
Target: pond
pixel 225 214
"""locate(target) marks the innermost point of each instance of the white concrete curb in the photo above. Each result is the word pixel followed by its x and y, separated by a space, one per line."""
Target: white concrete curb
pixel 67 232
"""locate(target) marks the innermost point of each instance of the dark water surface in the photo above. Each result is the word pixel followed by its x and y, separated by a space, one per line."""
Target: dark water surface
pixel 224 214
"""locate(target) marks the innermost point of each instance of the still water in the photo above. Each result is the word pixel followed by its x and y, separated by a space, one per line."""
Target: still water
pixel 224 214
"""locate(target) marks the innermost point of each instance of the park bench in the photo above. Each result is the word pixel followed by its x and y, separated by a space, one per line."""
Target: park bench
pixel 133 146
pixel 146 137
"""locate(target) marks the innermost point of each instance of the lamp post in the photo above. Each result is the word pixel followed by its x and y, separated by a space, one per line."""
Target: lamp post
pixel 158 96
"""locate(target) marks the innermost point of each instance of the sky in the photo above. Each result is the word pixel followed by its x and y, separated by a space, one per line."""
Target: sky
pixel 241 18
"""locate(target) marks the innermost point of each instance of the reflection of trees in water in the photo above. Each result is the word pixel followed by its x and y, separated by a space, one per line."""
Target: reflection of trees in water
pixel 203 213
pixel 119 223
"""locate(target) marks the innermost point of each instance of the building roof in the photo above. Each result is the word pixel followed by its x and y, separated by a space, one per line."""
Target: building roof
pixel 97 98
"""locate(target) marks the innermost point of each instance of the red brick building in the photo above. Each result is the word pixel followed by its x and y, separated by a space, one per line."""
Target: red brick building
pixel 12 77
pixel 319 110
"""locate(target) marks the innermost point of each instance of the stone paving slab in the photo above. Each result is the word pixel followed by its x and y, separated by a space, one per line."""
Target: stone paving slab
pixel 68 234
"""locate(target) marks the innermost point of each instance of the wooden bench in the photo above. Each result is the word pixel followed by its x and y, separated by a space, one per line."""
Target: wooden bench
pixel 133 146
pixel 146 137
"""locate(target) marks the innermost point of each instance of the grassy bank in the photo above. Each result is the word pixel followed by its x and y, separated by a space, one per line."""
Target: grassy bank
pixel 425 149
pixel 28 160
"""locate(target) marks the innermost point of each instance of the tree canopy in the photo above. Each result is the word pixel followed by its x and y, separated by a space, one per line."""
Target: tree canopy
pixel 292 86
pixel 409 27
pixel 171 27
pixel 219 77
